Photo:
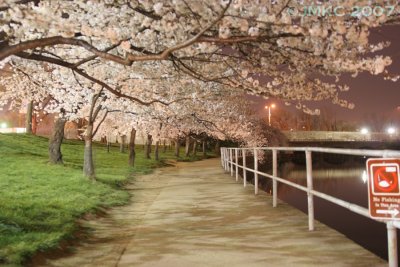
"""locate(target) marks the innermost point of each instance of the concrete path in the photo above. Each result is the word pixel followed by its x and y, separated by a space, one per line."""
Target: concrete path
pixel 196 215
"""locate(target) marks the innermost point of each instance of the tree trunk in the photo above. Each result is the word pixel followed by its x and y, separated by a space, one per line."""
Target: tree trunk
pixel 187 146
pixel 148 146
pixel 204 148
pixel 34 124
pixel 177 147
pixel 164 146
pixel 156 154
pixel 122 144
pixel 194 147
pixel 88 166
pixel 55 142
pixel 29 113
pixel 108 145
pixel 218 148
pixel 132 152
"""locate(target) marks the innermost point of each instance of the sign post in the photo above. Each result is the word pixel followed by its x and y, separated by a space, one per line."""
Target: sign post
pixel 384 188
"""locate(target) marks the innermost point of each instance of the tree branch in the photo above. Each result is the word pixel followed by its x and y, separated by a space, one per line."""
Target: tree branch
pixel 7 50
pixel 100 122
pixel 82 73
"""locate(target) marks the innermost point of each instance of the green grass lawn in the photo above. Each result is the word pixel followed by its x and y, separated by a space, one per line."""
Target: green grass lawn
pixel 39 202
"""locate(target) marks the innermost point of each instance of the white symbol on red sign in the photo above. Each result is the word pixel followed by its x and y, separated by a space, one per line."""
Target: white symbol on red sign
pixel 385 179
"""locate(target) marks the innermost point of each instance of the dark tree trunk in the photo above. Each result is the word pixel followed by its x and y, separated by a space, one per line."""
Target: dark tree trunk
pixel 194 147
pixel 108 145
pixel 132 152
pixel 177 147
pixel 187 146
pixel 88 166
pixel 218 148
pixel 148 146
pixel 34 124
pixel 29 114
pixel 55 142
pixel 156 153
pixel 122 144
pixel 204 148
pixel 164 146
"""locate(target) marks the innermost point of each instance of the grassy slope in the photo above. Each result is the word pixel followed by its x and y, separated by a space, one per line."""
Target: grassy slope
pixel 39 203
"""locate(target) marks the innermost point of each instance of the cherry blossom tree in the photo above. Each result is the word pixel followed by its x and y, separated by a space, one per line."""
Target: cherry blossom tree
pixel 181 67
pixel 230 42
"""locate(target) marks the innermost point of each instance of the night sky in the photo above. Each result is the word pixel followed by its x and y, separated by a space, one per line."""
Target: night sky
pixel 371 94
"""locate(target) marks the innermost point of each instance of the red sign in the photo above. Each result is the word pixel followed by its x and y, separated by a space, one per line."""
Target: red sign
pixel 384 188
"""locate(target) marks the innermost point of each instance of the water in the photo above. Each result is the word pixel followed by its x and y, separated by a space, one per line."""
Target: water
pixel 346 181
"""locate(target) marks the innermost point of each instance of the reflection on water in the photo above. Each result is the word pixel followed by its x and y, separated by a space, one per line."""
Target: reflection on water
pixel 348 184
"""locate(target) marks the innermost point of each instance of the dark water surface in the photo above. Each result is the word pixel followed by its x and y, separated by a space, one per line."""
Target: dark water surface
pixel 343 180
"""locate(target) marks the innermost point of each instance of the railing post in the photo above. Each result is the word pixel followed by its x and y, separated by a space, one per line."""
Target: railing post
pixel 255 171
pixel 310 198
pixel 225 159
pixel 274 182
pixel 244 167
pixel 231 159
pixel 237 164
pixel 392 244
pixel 222 156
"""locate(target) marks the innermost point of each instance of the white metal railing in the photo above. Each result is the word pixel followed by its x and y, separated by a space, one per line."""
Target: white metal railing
pixel 230 158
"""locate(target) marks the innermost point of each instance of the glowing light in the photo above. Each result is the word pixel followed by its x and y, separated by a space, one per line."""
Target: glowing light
pixel 364 176
pixel 364 131
pixel 3 125
pixel 391 130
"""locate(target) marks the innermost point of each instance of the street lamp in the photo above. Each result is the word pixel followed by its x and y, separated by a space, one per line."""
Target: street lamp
pixel 269 112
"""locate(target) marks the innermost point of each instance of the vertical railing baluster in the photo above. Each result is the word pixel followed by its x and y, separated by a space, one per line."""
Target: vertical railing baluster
pixel 244 168
pixel 222 157
pixel 310 197
pixel 392 244
pixel 237 164
pixel 255 171
pixel 275 174
pixel 231 160
pixel 226 159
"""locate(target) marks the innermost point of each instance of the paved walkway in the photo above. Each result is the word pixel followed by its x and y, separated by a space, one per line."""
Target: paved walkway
pixel 196 215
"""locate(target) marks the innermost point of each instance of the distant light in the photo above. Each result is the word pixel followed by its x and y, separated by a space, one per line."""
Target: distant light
pixel 364 131
pixel 270 106
pixel 391 130
pixel 364 176
pixel 3 125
